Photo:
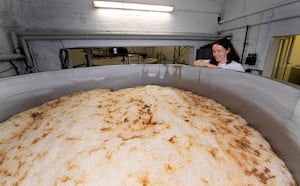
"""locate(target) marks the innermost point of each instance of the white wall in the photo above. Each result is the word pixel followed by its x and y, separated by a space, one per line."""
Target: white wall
pixel 266 19
pixel 236 8
pixel 5 44
pixel 78 15
pixel 192 18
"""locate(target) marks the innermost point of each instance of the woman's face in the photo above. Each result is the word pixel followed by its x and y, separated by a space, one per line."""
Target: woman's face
pixel 220 53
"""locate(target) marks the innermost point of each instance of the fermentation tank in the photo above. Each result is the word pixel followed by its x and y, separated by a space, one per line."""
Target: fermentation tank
pixel 271 107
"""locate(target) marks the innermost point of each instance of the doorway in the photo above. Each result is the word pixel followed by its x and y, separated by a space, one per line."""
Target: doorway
pixel 282 64
pixel 283 59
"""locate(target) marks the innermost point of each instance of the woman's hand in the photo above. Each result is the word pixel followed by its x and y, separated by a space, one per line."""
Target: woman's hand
pixel 204 63
pixel 211 66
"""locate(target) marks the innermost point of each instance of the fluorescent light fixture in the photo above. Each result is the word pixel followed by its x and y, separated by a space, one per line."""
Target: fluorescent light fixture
pixel 132 6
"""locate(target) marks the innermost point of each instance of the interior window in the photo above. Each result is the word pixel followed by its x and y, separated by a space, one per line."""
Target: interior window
pixel 82 57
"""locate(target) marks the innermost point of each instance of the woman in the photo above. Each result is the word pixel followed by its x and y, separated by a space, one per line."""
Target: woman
pixel 224 56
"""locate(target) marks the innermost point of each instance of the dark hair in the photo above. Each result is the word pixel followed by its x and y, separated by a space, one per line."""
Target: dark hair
pixel 231 56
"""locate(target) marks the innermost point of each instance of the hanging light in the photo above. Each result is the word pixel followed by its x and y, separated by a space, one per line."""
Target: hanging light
pixel 132 6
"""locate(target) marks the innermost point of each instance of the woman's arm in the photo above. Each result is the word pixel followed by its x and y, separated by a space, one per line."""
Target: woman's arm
pixel 204 63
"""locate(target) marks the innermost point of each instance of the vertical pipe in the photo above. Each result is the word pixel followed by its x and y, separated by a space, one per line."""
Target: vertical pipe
pixel 245 43
pixel 220 17
pixel 179 51
pixel 32 66
pixel 15 42
pixel 89 57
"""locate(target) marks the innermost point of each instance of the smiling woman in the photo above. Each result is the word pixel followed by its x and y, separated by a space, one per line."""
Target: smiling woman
pixel 224 56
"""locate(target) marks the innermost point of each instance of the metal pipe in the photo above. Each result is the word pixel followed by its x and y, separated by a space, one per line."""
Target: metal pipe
pixel 15 42
pixel 112 35
pixel 10 57
pixel 245 43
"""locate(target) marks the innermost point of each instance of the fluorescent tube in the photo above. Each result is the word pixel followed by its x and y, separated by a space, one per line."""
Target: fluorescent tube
pixel 132 6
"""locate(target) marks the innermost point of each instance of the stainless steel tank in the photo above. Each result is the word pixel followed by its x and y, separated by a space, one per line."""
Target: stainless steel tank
pixel 271 107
